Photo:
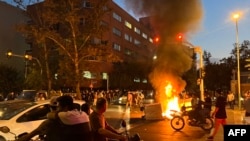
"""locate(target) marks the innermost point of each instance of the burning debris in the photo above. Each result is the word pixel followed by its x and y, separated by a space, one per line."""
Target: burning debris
pixel 168 18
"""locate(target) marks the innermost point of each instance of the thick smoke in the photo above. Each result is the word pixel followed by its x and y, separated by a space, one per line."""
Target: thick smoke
pixel 168 19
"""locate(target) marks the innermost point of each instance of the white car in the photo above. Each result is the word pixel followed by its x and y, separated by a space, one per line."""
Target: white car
pixel 24 116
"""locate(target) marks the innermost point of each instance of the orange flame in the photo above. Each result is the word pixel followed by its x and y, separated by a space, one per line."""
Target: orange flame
pixel 172 101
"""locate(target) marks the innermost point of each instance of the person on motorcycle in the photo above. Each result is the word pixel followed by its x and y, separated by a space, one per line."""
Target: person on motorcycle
pixel 100 127
pixel 74 123
pixel 45 127
pixel 196 112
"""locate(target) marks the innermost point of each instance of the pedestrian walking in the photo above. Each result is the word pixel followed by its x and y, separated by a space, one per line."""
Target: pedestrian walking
pixel 219 114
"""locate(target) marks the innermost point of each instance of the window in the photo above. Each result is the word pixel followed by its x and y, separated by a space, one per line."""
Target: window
pixel 128 52
pixel 87 74
pixel 137 80
pixel 144 35
pixel 117 31
pixel 127 24
pixel 116 47
pixel 128 38
pixel 105 8
pixel 137 30
pixel 137 42
pixel 117 17
pixel 144 80
pixel 96 41
pixel 87 4
pixel 38 113
pixel 104 23
pixel 150 40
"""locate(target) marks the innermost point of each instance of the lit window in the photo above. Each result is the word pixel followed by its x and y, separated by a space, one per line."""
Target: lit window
pixel 144 35
pixel 151 40
pixel 105 76
pixel 116 47
pixel 137 80
pixel 137 30
pixel 144 81
pixel 117 17
pixel 117 31
pixel 127 24
pixel 87 74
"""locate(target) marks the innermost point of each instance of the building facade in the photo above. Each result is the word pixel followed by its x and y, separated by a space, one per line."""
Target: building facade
pixel 10 39
pixel 128 38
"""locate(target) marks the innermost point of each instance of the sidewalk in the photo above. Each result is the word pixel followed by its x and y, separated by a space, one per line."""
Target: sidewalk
pixel 161 130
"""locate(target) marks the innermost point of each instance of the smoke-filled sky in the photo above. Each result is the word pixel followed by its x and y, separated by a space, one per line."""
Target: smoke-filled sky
pixel 168 19
pixel 217 32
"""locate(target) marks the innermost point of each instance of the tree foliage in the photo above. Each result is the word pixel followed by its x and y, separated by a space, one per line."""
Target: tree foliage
pixel 219 74
pixel 11 80
pixel 76 32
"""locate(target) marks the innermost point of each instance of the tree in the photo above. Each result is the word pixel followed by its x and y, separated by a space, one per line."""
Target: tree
pixel 11 80
pixel 35 31
pixel 76 30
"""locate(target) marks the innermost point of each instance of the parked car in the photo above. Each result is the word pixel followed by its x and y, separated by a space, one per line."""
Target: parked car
pixel 24 116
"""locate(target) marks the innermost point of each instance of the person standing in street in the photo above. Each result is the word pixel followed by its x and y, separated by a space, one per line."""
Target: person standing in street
pixel 230 99
pixel 102 131
pixel 219 114
pixel 129 100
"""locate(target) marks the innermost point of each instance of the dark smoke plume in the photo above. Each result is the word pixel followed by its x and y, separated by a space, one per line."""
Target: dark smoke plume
pixel 168 18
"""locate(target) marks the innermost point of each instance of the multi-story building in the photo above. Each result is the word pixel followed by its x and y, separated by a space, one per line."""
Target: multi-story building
pixel 131 39
pixel 10 39
pixel 128 37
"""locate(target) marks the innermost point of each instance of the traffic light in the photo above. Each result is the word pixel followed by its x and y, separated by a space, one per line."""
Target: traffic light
pixel 179 37
pixel 248 64
pixel 9 54
pixel 156 40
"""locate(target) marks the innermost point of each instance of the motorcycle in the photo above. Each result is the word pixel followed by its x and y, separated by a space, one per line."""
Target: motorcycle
pixel 135 137
pixel 6 130
pixel 178 122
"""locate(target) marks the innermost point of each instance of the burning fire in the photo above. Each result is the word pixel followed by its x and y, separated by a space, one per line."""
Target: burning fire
pixel 172 102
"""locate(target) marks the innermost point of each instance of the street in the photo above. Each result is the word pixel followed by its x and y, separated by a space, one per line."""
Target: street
pixel 160 130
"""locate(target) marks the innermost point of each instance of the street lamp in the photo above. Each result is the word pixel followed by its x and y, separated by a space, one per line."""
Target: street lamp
pixel 29 57
pixel 198 50
pixel 236 16
pixel 26 56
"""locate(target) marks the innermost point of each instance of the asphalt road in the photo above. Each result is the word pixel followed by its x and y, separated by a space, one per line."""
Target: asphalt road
pixel 160 130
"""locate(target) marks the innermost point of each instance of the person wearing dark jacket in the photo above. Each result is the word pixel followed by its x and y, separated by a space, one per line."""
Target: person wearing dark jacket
pixel 74 123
